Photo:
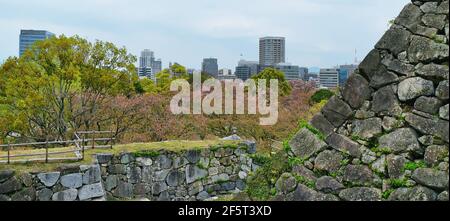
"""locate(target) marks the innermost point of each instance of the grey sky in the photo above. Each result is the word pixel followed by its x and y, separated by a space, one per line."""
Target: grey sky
pixel 320 33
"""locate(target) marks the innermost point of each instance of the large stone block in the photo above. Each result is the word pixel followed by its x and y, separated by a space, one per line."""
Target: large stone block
pixel 304 144
pixel 344 144
pixel 356 91
pixel 336 111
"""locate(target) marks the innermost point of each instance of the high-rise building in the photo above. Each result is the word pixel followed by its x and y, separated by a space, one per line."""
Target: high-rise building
pixel 29 37
pixel 271 50
pixel 246 69
pixel 344 73
pixel 291 72
pixel 329 77
pixel 148 66
pixel 210 66
pixel 303 71
pixel 226 73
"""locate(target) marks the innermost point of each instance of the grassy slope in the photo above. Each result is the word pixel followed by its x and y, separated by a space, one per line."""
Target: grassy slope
pixel 174 146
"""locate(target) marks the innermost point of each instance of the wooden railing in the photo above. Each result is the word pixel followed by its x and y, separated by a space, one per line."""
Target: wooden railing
pixel 84 140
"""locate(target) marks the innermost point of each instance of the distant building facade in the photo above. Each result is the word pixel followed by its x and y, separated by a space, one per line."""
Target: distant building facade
pixel 291 72
pixel 303 71
pixel 226 73
pixel 344 73
pixel 246 69
pixel 148 65
pixel 210 66
pixel 329 77
pixel 272 50
pixel 28 37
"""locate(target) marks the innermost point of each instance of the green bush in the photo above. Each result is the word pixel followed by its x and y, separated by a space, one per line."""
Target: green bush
pixel 320 95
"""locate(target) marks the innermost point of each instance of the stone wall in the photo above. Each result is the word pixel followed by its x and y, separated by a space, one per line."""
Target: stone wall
pixel 162 175
pixel 387 131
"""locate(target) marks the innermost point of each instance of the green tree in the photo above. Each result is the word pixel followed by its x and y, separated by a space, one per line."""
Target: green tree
pixel 272 73
pixel 320 95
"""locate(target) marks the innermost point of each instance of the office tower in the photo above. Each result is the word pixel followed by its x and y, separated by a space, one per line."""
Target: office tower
pixel 344 73
pixel 29 37
pixel 246 69
pixel 271 51
pixel 329 78
pixel 226 73
pixel 291 72
pixel 148 66
pixel 303 71
pixel 210 66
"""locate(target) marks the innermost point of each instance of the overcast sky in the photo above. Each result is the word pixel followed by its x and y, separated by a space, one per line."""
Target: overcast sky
pixel 319 33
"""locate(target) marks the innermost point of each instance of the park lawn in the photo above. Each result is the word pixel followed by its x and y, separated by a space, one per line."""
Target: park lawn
pixel 173 146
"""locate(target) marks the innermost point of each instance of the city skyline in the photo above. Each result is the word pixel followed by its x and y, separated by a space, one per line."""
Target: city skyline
pixel 318 33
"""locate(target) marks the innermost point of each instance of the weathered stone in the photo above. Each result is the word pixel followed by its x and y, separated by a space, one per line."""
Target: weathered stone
pixel 395 165
pixel 336 111
pixel 435 127
pixel 367 128
pixel 400 194
pixel 434 21
pixel 27 194
pixel 4 198
pixel 362 114
pixel 322 124
pixel 27 179
pixel 202 196
pixel 395 40
pixel 442 90
pixel 66 195
pixel 432 70
pixel 164 162
pixel 117 169
pixel 403 139
pixel 193 156
pixel 443 112
pixel 103 158
pixel 161 175
pixel 45 194
pixel 429 105
pixel 328 161
pixel 443 196
pixel 360 194
pixel 72 181
pixel 414 87
pixel 91 191
pixel 390 123
pixel 141 189
pixel 369 66
pixel 409 16
pixel 134 174
pixel 302 171
pixel 126 158
pixel 223 177
pixel 305 144
pixel 123 190
pixel 344 144
pixel 144 161
pixel 194 173
pixel 158 188
pixel 434 179
pixel 385 101
pixel 380 165
pixel 401 68
pixel 111 182
pixel 382 78
pixel 240 184
pixel 68 169
pixel 356 91
pixel 423 49
pixel 303 193
pixel 92 175
pixel 327 184
pixel 196 188
pixel 228 186
pixel 429 7
pixel 175 178
pixel 286 183
pixel 424 31
pixel 49 179
pixel 358 174
pixel 434 154
pixel 420 193
pixel 5 175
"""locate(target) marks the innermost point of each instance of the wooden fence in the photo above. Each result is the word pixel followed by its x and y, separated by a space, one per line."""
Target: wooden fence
pixel 84 140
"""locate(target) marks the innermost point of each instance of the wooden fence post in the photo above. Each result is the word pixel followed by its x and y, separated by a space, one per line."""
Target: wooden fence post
pixel 9 149
pixel 93 140
pixel 82 148
pixel 46 151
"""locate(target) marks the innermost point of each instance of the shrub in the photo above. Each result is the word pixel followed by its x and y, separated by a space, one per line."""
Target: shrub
pixel 320 95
